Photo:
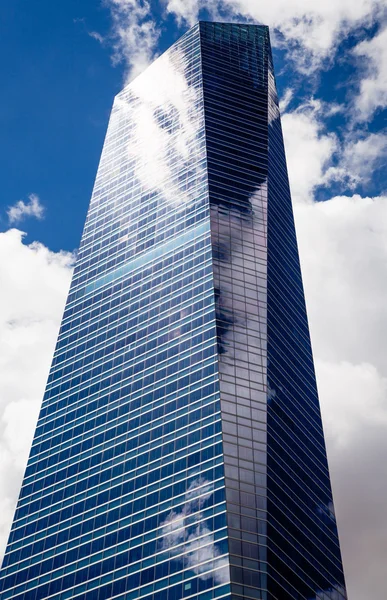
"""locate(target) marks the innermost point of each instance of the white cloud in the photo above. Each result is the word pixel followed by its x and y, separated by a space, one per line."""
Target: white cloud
pixel 186 532
pixel 148 108
pixel 97 36
pixel 34 285
pixel 21 210
pixel 359 158
pixel 354 408
pixel 343 250
pixel 310 29
pixel 316 156
pixel 354 399
pixel 309 149
pixel 373 87
pixel 343 245
pixel 286 99
pixel 135 34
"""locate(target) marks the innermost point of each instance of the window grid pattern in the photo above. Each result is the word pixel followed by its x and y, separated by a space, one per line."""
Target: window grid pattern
pixel 235 103
pixel 303 547
pixel 123 496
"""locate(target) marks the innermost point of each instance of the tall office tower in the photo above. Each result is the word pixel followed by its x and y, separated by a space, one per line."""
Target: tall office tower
pixel 179 451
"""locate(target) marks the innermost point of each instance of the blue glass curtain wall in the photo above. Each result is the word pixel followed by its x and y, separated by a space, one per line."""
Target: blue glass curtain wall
pixel 179 451
pixel 123 496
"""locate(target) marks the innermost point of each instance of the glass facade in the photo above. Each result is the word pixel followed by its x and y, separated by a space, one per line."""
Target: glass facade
pixel 179 451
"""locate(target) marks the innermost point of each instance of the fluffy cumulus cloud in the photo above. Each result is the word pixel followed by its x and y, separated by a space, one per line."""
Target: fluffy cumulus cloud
pixel 317 156
pixel 134 33
pixel 311 29
pixel 21 210
pixel 343 249
pixel 343 244
pixel 360 156
pixel 34 286
pixel 309 149
pixel 373 86
pixel 308 30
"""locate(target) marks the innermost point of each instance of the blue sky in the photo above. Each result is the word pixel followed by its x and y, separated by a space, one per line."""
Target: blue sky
pixel 59 83
pixel 59 87
pixel 61 65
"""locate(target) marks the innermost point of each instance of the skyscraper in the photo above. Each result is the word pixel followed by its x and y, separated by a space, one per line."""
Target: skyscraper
pixel 179 451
